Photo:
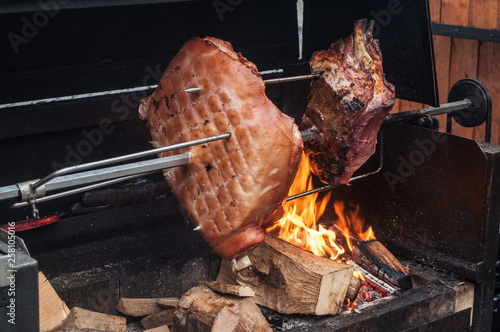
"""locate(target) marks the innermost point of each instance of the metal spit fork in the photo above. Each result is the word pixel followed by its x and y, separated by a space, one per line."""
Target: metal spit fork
pixel 34 191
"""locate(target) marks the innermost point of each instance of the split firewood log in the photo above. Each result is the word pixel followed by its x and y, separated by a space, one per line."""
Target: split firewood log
pixel 86 320
pixel 202 310
pixel 291 280
pixel 241 291
pixel 139 307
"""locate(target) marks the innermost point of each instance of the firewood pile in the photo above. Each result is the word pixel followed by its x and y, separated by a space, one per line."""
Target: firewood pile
pixel 274 274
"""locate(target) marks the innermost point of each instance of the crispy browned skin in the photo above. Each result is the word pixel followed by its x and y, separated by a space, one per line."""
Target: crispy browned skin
pixel 347 105
pixel 230 186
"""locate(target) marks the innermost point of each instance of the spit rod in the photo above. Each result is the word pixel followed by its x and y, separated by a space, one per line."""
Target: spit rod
pixel 114 173
pixel 291 79
pixel 414 114
pixel 362 176
pixel 108 93
pixel 271 81
pixel 106 162
pixel 81 189
pixel 307 135
pixel 67 178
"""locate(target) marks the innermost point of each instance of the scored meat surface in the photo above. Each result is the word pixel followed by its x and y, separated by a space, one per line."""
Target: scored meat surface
pixel 229 186
pixel 346 105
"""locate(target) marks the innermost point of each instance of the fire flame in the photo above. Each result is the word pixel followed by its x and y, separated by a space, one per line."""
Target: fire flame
pixel 299 223
pixel 351 224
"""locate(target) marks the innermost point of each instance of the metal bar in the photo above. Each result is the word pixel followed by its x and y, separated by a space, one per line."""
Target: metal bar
pixel 271 81
pixel 414 114
pixel 465 32
pixel 107 176
pixel 313 191
pixel 102 174
pixel 291 79
pixel 38 102
pixel 9 192
pixel 34 6
pixel 60 181
pixel 80 190
pixel 106 162
pixel 192 90
pixel 77 97
pixel 331 186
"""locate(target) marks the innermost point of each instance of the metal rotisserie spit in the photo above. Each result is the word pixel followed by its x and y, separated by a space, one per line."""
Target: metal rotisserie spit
pixel 103 226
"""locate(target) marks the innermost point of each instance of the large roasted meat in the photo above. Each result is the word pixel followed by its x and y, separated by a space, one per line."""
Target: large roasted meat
pixel 229 186
pixel 347 105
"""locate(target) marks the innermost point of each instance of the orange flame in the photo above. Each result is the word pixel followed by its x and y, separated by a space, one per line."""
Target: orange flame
pixel 299 224
pixel 351 224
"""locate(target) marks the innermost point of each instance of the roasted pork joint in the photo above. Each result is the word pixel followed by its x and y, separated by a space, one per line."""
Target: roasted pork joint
pixel 346 105
pixel 230 186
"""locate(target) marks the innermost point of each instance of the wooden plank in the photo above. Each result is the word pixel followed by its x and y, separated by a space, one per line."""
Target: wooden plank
pixel 464 64
pixel 89 320
pixel 435 10
pixel 455 12
pixel 489 74
pixel 291 280
pixel 406 105
pixel 166 317
pixel 442 54
pixel 498 18
pixel 396 108
pixel 241 291
pixel 483 14
pixel 53 311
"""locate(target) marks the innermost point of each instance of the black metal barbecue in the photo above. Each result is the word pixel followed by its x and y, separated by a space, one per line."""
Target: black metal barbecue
pixel 72 78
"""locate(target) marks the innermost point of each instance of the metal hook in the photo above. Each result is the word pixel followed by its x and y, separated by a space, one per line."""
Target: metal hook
pixel 35 213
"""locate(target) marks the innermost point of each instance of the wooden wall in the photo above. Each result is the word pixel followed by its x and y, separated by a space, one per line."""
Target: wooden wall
pixel 458 58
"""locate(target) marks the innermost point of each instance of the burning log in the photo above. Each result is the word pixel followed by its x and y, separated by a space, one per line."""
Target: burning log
pixel 375 258
pixel 200 309
pixel 290 280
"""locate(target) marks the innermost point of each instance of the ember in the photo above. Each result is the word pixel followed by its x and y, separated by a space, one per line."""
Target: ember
pixel 366 294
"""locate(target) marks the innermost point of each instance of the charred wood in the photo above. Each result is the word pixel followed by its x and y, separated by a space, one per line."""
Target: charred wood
pixel 375 258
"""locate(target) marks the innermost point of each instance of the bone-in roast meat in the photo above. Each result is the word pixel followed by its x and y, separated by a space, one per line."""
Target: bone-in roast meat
pixel 346 105
pixel 229 186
